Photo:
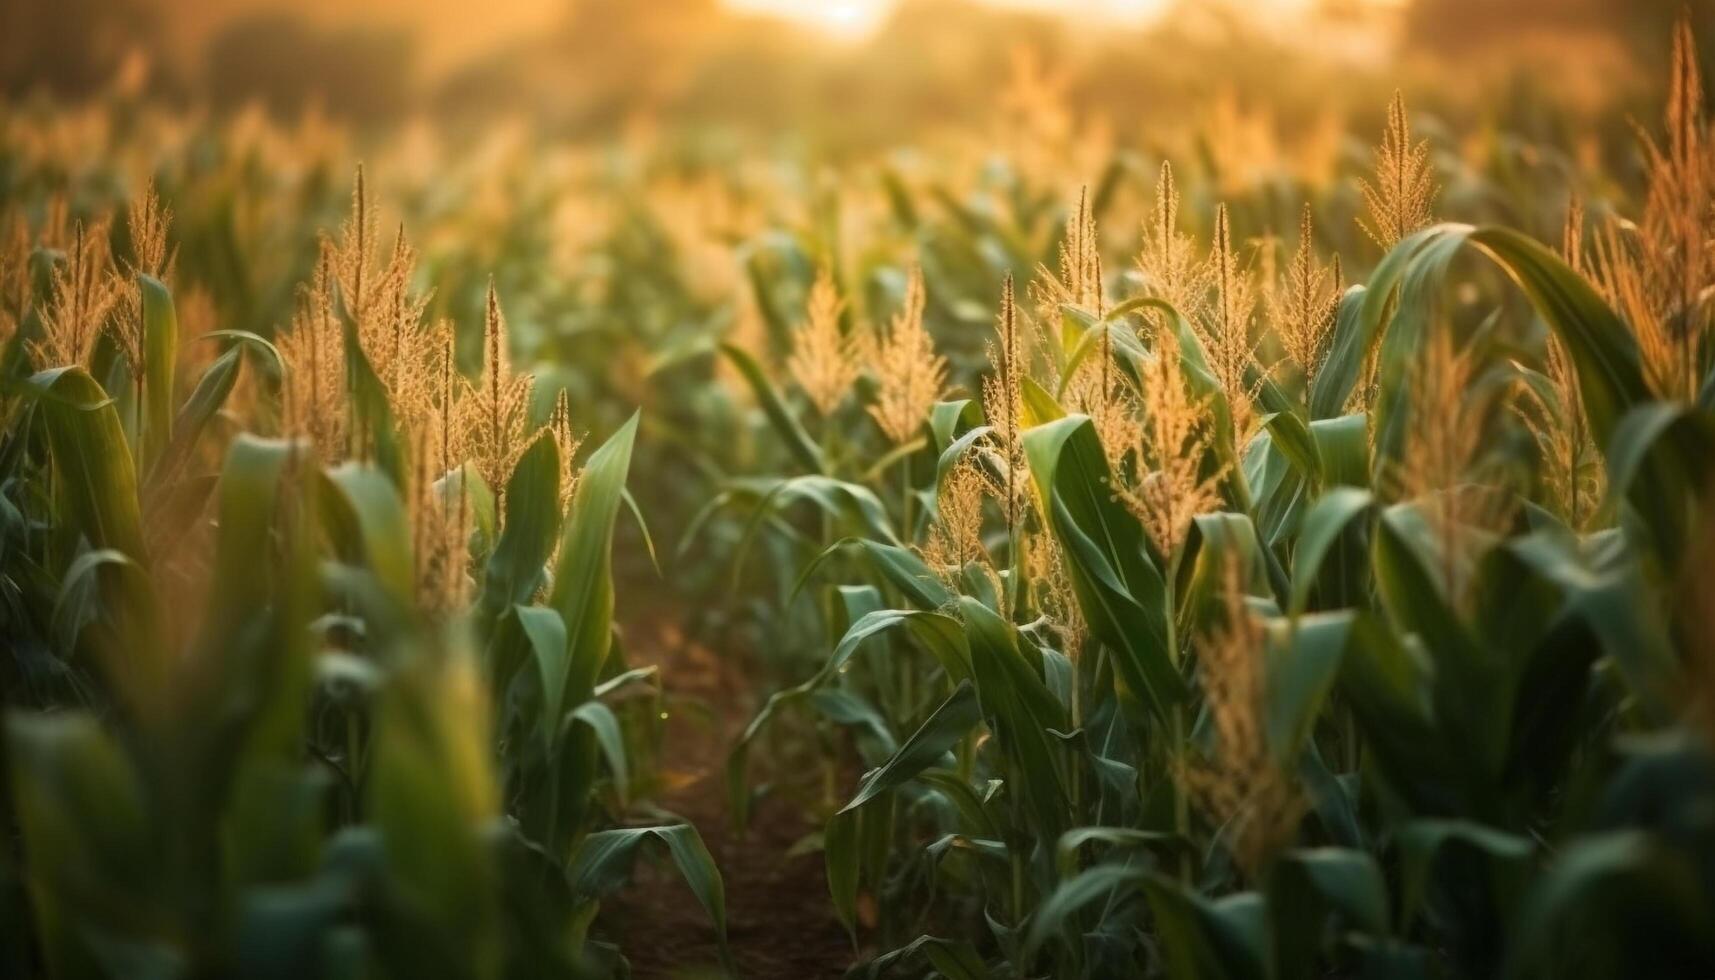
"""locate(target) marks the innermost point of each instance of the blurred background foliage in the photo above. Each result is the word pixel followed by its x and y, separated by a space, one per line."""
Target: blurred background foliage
pixel 591 66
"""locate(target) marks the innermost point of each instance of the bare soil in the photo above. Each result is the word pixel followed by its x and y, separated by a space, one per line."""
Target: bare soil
pixel 780 922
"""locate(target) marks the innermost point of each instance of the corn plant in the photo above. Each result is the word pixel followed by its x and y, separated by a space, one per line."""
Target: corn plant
pixel 1202 665
pixel 349 702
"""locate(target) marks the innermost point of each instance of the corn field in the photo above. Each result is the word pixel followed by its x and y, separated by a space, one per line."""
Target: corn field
pixel 434 556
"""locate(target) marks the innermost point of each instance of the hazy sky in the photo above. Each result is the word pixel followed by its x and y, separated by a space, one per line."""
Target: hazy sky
pixel 453 30
pixel 855 17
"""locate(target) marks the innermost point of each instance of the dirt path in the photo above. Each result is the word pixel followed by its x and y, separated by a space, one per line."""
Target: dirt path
pixel 780 923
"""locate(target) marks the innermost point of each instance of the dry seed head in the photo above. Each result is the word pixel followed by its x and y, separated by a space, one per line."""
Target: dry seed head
pixel 824 360
pixel 197 315
pixel 1117 423
pixel 1572 472
pixel 1037 123
pixel 354 256
pixel 1572 234
pixel 1402 189
pixel 496 408
pixel 1302 307
pixel 1079 282
pixel 1225 329
pixel 441 523
pixel 1168 260
pixel 1687 130
pixel 147 223
pixel 1241 143
pixel 1632 283
pixel 1077 285
pixel 84 293
pixel 447 390
pixel 392 336
pixel 1241 787
pixel 912 376
pixel 567 442
pixel 1003 405
pixel 15 285
pixel 955 538
pixel 314 352
pixel 1659 273
pixel 1056 597
pixel 1444 441
pixel 1170 488
pixel 56 231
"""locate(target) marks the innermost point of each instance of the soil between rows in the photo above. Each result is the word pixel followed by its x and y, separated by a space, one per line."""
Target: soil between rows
pixel 780 922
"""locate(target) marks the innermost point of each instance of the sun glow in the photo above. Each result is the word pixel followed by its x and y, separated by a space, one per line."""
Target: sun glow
pixel 839 18
pixel 853 19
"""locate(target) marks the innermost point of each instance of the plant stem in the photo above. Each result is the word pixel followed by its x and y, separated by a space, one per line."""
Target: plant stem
pixel 1176 747
pixel 907 527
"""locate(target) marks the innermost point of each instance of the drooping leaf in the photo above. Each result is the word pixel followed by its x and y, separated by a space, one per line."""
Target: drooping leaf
pixel 950 722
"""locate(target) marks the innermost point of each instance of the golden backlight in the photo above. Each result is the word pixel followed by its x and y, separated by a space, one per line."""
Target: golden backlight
pixel 853 19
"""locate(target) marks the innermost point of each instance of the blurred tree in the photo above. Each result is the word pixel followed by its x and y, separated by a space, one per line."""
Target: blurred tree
pixel 1459 26
pixel 360 72
pixel 607 61
pixel 69 47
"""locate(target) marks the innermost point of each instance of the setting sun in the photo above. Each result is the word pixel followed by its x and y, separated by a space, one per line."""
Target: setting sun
pixel 841 18
pixel 854 18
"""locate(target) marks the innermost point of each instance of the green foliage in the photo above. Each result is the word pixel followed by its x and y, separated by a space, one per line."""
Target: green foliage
pixel 280 703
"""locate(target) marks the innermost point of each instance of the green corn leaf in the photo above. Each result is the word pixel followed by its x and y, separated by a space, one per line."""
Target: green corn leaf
pixel 603 862
pixel 900 567
pixel 945 727
pixel 1039 406
pixel 1387 686
pixel 97 495
pixel 1227 937
pixel 808 454
pixel 949 419
pixel 198 410
pixel 1422 842
pixel 98 481
pixel 977 820
pixel 1329 518
pixel 1338 375
pixel 516 565
pixel 583 580
pixel 1304 658
pixel 1292 435
pixel 1343 446
pixel 601 720
pixel 1069 849
pixel 370 523
pixel 840 857
pixel 1022 711
pixel 1311 890
pixel 1119 590
pixel 943 636
pixel 546 634
pixel 950 958
pixel 83 829
pixel 371 411
pixel 1058 912
pixel 160 357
